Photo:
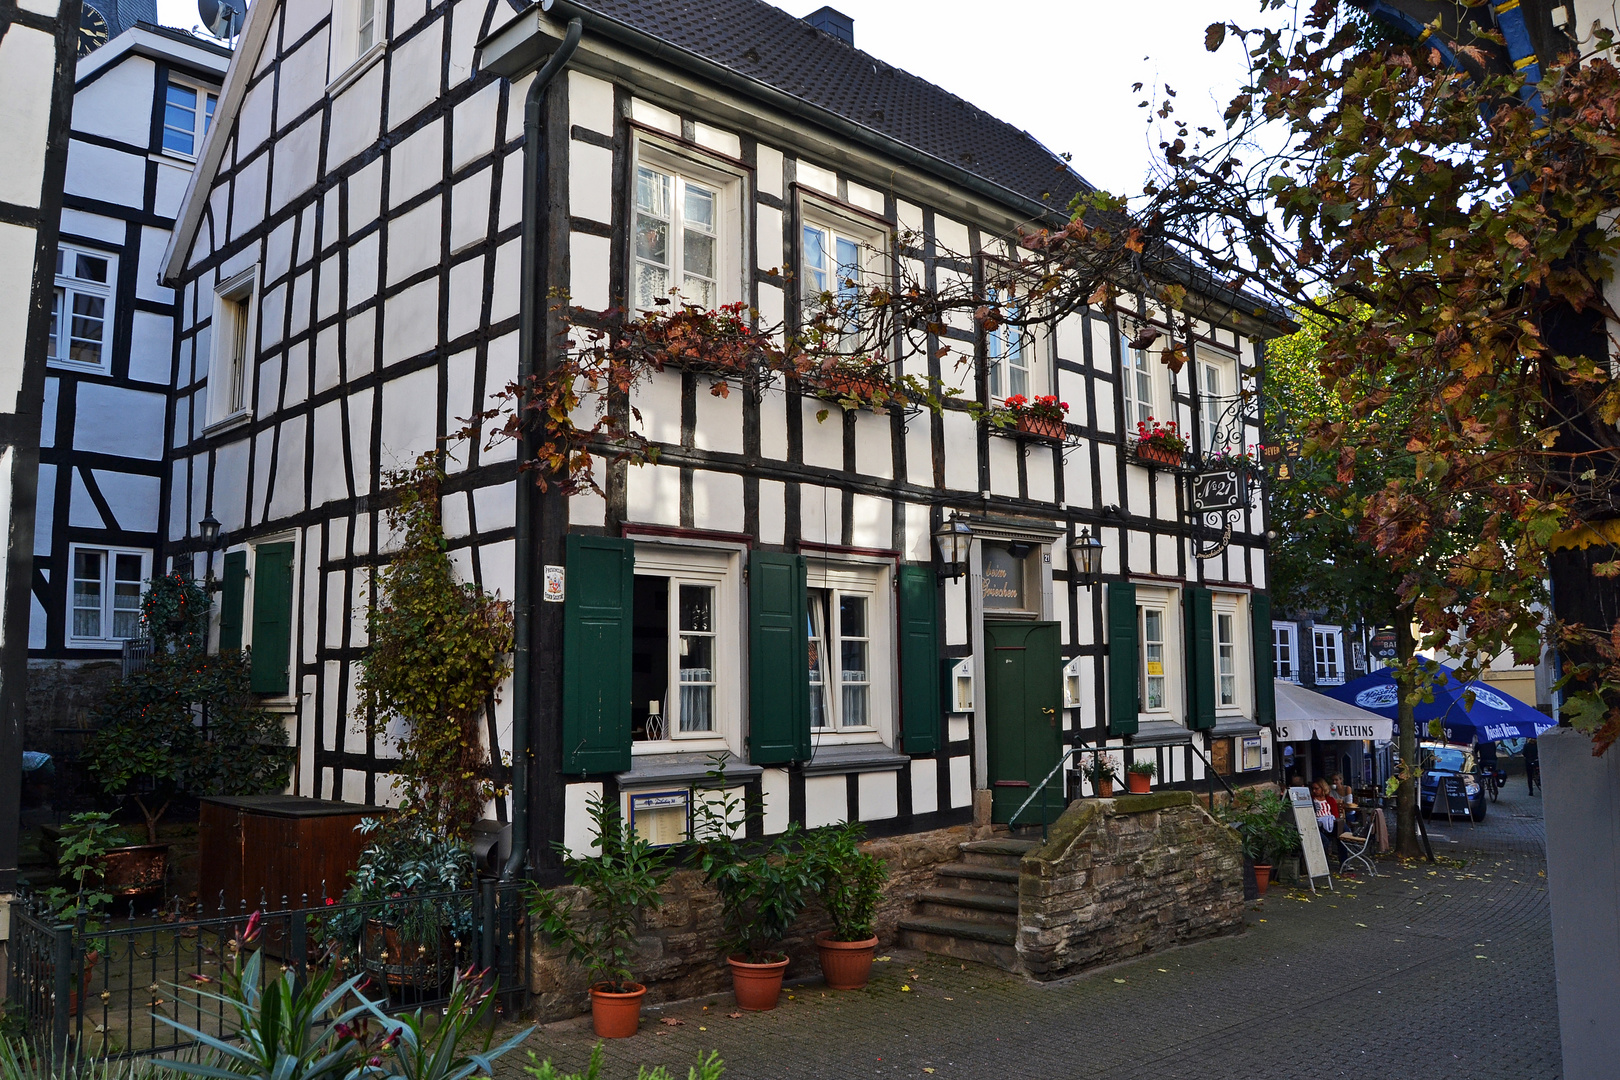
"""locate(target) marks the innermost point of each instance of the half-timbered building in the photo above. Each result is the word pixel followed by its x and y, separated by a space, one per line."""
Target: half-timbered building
pixel 351 267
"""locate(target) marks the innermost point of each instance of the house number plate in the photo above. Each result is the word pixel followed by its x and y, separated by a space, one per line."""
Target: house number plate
pixel 1217 491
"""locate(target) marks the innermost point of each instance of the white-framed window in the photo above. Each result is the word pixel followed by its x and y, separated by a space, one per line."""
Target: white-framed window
pixel 839 259
pixel 81 315
pixel 1226 682
pixel 1284 649
pixel 187 113
pixel 1011 355
pixel 685 653
pixel 231 371
pixel 1217 392
pixel 850 649
pixel 104 595
pixel 358 33
pixel 687 235
pixel 365 31
pixel 1135 382
pixel 1328 649
pixel 1152 623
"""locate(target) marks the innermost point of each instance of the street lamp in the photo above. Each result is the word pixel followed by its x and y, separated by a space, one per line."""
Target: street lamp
pixel 953 539
pixel 208 530
pixel 1085 553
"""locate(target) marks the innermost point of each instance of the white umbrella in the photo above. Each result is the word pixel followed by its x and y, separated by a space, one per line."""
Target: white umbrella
pixel 1302 713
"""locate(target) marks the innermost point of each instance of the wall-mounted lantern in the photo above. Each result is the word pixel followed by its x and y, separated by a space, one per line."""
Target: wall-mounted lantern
pixel 954 540
pixel 1085 553
pixel 208 530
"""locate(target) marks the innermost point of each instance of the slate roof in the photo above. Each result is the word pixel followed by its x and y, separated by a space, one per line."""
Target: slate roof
pixel 766 43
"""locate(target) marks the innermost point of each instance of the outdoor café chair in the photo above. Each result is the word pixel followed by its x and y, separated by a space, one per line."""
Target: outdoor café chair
pixel 1359 847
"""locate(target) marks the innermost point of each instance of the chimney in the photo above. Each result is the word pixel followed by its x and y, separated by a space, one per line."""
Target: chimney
pixel 832 21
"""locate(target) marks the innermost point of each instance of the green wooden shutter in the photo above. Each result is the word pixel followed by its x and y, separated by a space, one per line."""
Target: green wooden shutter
pixel 1265 670
pixel 598 601
pixel 919 659
pixel 1198 606
pixel 1124 701
pixel 231 601
pixel 272 618
pixel 778 660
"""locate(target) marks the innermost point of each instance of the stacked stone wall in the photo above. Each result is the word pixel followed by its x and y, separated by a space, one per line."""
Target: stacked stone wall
pixel 1121 877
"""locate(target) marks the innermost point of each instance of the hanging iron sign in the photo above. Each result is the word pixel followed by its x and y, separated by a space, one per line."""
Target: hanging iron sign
pixel 1382 645
pixel 1212 491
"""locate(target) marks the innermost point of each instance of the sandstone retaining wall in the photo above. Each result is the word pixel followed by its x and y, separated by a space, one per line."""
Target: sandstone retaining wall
pixel 1120 877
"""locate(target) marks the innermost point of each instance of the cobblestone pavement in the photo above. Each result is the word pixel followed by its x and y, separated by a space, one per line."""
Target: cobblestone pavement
pixel 1424 971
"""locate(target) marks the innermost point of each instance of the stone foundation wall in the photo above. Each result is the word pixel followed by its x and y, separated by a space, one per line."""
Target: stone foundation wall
pixel 678 953
pixel 1124 876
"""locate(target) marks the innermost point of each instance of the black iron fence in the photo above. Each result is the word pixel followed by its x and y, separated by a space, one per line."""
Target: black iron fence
pixel 97 992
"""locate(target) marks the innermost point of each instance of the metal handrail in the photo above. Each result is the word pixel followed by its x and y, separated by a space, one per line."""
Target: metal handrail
pixel 1041 790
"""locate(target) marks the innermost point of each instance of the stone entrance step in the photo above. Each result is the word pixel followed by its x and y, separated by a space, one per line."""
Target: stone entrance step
pixel 979 878
pixel 982 943
pixel 963 905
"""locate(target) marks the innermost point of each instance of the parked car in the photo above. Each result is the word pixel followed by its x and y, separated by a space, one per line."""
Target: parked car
pixel 1455 767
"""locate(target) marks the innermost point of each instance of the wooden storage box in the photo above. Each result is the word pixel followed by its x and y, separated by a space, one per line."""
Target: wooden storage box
pixel 276 851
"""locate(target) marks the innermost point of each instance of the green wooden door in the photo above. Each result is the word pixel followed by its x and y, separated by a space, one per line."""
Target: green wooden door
pixel 1023 696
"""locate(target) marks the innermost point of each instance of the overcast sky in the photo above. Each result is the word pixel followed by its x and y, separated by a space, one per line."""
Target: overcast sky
pixel 1060 69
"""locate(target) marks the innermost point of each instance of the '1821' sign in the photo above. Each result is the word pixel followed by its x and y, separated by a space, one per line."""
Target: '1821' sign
pixel 1217 490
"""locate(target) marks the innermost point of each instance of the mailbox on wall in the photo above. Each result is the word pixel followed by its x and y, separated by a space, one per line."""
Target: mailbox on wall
pixel 957 676
pixel 1071 684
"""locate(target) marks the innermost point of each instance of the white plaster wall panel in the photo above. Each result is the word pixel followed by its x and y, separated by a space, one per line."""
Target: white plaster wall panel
pixel 277 251
pixel 151 347
pixel 460 371
pixel 1108 474
pixel 1077 475
pixel 328 481
pixel 961 451
pixel 917 545
pixel 957 728
pixel 132 499
pixel 183 482
pixel 363 270
pixel 170 190
pixel 590 103
pixel 826 800
pixel 364 194
pixel 590 257
pixel 413 240
pixel 298 316
pixel 717 139
pixel 466 18
pixel 768 170
pixel 768 238
pixel 1088 625
pixel 774 800
pixel 645 112
pixel 814 176
pixel 466 301
pixel 469 210
pixel 717 501
pixel 299 16
pixel 216 218
pixel 658 400
pixel 956 611
pixel 511 212
pixel 362 522
pixel 1060 596
pixel 961 782
pixel 1038 473
pixel 1003 457
pixel 356 116
pixel 329 294
pixel 869 199
pixel 772 511
pixel 950 235
pixel 496 507
pixel 823 439
pixel 297 157
pixel 924 787
pixel 47 416
pixel 409 416
pixel 360 339
pixel 874 445
pixel 772 306
pixel 920 452
pixel 102 173
pixel 82 512
pixel 1164 490
pixel 36 622
pixel 271 308
pixel 360 409
pixel 247 200
pixel 331 670
pixel 504 297
pixel 410 321
pixel 78 223
pixel 420 57
pixel 118 105
pixel 306 234
pixel 407 13
pixel 871 522
pixel 878 795
pixel 45 509
pixel 303 78
pixel 500 368
pixel 288 495
pixel 1139 550
pixel 1113 552
pixel 587 509
pixel 578 837
pixel 253 118
pixel 590 181
pixel 461 564
pixel 514 112
pixel 119 421
pixel 719 419
pixel 653 494
pixel 821 514
pixel 259 493
pixel 1257 573
pixel 1072 392
pixel 1071 339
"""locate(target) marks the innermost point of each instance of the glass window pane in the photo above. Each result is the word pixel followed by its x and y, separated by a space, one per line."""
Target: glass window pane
pixel 54 348
pixel 87 593
pixel 816 624
pixel 91 268
pixel 652 284
pixel 697 255
pixel 854 706
pixel 815 252
pixel 208 117
pixel 699 208
pixel 698 291
pixel 697 658
pixel 181 142
pixel 652 239
pixel 652 192
pixel 849 261
pixel 183 96
pixel 697 602
pixel 853 660
pixel 852 616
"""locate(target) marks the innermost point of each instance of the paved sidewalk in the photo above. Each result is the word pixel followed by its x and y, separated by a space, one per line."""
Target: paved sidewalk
pixel 1422 972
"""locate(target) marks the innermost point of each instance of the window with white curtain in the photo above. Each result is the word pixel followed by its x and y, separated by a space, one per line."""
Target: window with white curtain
pixel 1135 382
pixel 1217 392
pixel 1151 620
pixel 839 260
pixel 685 660
pixel 105 597
pixel 840 660
pixel 1010 352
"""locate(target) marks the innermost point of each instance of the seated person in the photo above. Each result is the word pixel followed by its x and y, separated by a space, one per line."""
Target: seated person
pixel 1330 819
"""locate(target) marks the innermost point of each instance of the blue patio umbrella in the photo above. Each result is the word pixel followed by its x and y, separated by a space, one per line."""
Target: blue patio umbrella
pixel 1492 717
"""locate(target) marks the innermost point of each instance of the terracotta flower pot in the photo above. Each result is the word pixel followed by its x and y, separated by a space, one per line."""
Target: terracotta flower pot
pixel 757 986
pixel 1138 783
pixel 614 1015
pixel 1262 877
pixel 1158 452
pixel 77 994
pixel 846 965
pixel 1043 426
pixel 1105 789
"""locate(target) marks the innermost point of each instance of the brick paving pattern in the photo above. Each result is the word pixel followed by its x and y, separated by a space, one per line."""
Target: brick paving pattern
pixel 1425 971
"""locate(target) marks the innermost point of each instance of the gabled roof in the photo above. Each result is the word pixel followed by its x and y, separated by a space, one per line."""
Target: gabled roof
pixel 763 42
pixel 159 43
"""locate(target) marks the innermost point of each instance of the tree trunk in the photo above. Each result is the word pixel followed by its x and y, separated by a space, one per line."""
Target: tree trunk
pixel 1406 798
pixel 151 817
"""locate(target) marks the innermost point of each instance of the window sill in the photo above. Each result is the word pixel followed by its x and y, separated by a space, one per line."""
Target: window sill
pixel 236 419
pixel 96 643
pixel 860 757
pixel 351 74
pixel 54 364
pixel 1160 733
pixel 1234 725
pixel 679 768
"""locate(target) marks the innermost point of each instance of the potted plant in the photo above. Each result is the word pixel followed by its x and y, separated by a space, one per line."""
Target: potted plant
pixel 1161 444
pixel 1139 777
pixel 79 898
pixel 853 381
pixel 763 884
pixel 1044 417
pixel 1264 830
pixel 850 884
pixel 623 878
pixel 1100 771
pixel 400 911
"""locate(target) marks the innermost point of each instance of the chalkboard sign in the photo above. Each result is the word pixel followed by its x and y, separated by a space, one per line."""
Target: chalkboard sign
pixel 1310 835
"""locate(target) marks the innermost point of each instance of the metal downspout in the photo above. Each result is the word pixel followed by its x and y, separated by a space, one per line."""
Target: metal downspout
pixel 531 357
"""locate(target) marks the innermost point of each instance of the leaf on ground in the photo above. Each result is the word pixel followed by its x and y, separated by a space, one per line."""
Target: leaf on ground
pixel 1119 980
pixel 884 959
pixel 904 988
pixel 734 1015
pixel 672 1021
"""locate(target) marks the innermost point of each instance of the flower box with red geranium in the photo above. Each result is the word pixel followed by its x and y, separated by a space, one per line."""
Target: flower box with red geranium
pixel 854 382
pixel 1044 417
pixel 1159 444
